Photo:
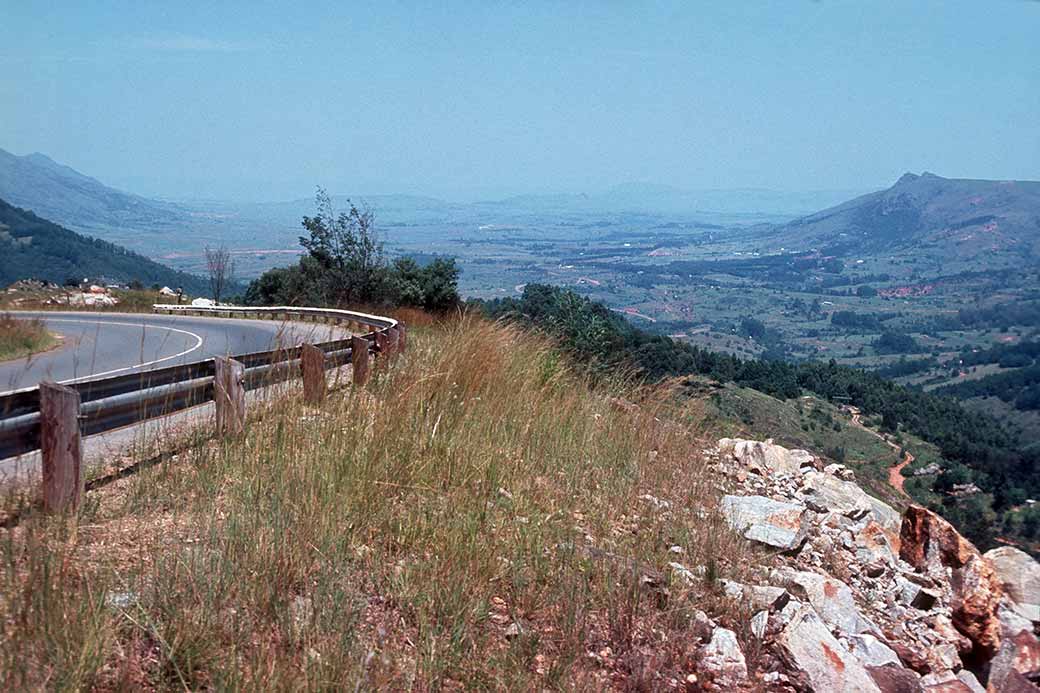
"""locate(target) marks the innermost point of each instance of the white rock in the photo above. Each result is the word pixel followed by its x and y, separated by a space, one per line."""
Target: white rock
pixel 847 498
pixel 969 680
pixel 766 521
pixel 947 681
pixel 722 656
pixel 1020 575
pixel 684 573
pixel 872 652
pixel 765 458
pixel 832 600
pixel 808 643
pixel 759 622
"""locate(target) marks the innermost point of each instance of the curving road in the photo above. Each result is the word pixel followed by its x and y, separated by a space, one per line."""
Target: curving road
pixel 101 344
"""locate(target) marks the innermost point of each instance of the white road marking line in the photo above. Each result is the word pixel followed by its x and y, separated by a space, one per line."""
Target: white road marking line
pixel 198 343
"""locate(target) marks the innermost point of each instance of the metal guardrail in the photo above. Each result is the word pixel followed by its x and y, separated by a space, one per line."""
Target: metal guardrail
pixel 118 401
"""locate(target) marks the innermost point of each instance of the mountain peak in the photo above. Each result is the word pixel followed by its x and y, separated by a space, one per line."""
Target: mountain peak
pixel 60 193
pixel 908 178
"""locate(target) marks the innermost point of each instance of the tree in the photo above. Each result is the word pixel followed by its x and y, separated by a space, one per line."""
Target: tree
pixel 345 266
pixel 347 252
pixel 221 267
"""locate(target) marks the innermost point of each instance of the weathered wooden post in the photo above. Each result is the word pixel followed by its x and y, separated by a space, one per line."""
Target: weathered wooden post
pixel 229 395
pixel 402 338
pixel 60 447
pixel 359 359
pixel 382 343
pixel 393 344
pixel 312 363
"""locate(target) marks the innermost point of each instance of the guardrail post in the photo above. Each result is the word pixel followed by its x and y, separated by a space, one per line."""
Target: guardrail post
pixel 382 342
pixel 402 338
pixel 312 363
pixel 229 395
pixel 60 447
pixel 393 343
pixel 359 359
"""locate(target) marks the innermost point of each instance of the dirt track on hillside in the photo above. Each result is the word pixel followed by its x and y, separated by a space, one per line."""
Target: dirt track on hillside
pixel 895 472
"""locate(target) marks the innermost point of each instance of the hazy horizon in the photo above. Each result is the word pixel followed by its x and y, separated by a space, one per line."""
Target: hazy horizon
pixel 462 102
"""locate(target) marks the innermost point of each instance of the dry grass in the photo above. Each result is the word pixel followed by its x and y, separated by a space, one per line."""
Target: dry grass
pixel 478 517
pixel 23 337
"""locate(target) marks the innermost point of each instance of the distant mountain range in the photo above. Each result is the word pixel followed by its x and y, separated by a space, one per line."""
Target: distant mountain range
pixel 31 247
pixel 60 193
pixel 932 216
pixel 68 197
pixel 960 217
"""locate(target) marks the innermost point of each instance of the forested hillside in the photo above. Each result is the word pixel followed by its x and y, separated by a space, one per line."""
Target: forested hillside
pixel 31 247
pixel 976 448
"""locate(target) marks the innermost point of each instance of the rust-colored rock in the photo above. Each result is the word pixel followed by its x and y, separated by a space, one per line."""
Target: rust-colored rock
pixel 931 544
pixel 1018 662
pixel 893 678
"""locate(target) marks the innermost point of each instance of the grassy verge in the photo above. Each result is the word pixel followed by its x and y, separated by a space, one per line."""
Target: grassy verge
pixel 479 516
pixel 21 337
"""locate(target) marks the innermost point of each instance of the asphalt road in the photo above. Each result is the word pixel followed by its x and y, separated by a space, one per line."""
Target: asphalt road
pixel 101 344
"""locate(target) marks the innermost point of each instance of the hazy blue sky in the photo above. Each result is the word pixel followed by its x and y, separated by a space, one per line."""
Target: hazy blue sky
pixel 254 100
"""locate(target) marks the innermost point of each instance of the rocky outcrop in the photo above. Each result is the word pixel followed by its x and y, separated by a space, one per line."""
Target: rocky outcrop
pixel 931 544
pixel 854 596
pixel 765 458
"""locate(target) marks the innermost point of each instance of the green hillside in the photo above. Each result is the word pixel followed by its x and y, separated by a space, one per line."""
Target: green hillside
pixel 31 247
pixel 970 447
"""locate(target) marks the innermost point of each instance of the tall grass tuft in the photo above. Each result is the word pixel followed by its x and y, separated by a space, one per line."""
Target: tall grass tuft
pixel 479 515
pixel 22 336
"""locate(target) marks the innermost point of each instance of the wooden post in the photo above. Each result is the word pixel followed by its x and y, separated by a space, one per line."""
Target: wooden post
pixel 229 394
pixel 312 363
pixel 60 447
pixel 359 359
pixel 402 338
pixel 382 343
pixel 393 343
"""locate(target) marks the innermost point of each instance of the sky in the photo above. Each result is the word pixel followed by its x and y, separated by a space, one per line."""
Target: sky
pixel 471 100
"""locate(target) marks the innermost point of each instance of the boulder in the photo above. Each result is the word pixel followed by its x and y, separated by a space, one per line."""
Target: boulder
pixel 767 521
pixel 758 597
pixel 931 544
pixel 1019 574
pixel 806 645
pixel 722 659
pixel 874 544
pixel 892 678
pixel 969 680
pixel 831 599
pixel 840 471
pixel 871 651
